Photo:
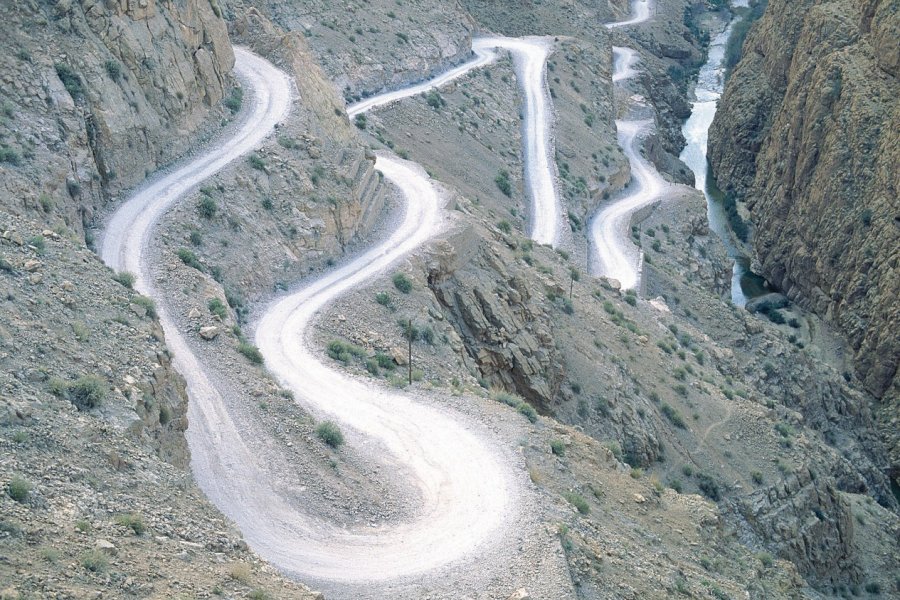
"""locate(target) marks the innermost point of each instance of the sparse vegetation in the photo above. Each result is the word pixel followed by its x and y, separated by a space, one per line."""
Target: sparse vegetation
pixel 86 392
pixel 251 352
pixel 190 259
pixel 113 69
pixel 94 561
pixel 257 162
pixel 18 488
pixel 235 100
pixel 330 433
pixel 503 182
pixel 70 80
pixel 125 278
pixel 673 416
pixel 402 283
pixel 558 447
pixel 207 206
pixel 578 502
pixel 132 521
pixel 343 351
pixel 218 308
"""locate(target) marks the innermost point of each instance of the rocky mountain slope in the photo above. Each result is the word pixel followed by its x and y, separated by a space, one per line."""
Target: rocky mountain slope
pixel 807 137
pixel 678 445
pixel 97 492
pixel 98 95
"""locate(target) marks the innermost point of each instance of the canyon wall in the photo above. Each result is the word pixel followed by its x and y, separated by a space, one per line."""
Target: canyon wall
pixel 807 136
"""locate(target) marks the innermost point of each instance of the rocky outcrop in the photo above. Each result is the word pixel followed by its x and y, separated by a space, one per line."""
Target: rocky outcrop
pixel 508 336
pixel 806 134
pixel 96 95
pixel 807 521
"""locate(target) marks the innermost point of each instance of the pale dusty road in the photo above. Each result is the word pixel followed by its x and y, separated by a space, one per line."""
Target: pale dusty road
pixel 640 12
pixel 468 491
pixel 530 59
pixel 468 488
pixel 613 254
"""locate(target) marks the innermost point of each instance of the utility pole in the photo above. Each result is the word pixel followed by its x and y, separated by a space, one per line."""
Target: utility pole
pixel 409 347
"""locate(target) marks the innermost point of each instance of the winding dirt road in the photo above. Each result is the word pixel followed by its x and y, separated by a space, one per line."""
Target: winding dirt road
pixel 612 254
pixel 470 492
pixel 530 60
pixel 640 12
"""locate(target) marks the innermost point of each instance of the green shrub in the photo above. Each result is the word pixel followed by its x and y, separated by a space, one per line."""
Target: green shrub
pixel 343 351
pixel 330 433
pixel 673 416
pixel 217 307
pixel 434 100
pixel 114 70
pixel 765 558
pixel 132 521
pixel 257 162
pixel 360 121
pixel 528 411
pixel 873 588
pixel 207 206
pixel 10 156
pixel 502 181
pixel 190 259
pixel 558 447
pixel 70 80
pixel 776 317
pixel 125 278
pixel 578 502
pixel 506 398
pixel 94 561
pixel 402 283
pixel 147 304
pixel 251 352
pixel 383 298
pixel 504 226
pixel 235 100
pixel 18 488
pixel 709 487
pixel 86 392
pixel 757 477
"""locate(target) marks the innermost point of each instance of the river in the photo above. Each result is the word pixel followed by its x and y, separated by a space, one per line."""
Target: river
pixel 710 83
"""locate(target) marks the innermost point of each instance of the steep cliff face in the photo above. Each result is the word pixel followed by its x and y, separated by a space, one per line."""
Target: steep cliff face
pixel 98 94
pixel 807 135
